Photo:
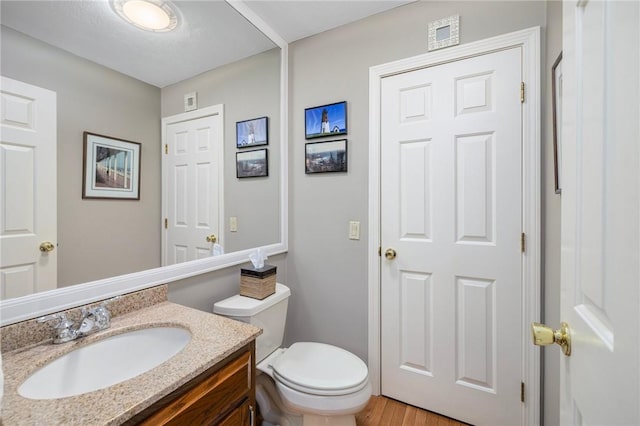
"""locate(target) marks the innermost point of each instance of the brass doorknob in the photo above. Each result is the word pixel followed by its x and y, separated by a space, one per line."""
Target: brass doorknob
pixel 390 254
pixel 543 336
pixel 212 238
pixel 46 246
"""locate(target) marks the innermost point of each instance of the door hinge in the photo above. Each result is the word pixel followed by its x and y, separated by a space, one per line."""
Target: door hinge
pixel 166 148
pixel 523 242
pixel 522 391
pixel 166 223
pixel 522 92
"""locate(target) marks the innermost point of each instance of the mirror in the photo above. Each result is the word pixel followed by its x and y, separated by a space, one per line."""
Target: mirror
pixel 98 230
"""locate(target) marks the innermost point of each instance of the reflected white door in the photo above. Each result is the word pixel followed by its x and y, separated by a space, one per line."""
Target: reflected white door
pixel 193 190
pixel 451 209
pixel 600 381
pixel 28 215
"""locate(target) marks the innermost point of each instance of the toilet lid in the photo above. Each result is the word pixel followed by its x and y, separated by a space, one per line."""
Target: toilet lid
pixel 320 369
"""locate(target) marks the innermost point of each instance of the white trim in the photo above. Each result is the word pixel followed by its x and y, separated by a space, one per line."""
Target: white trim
pixel 181 118
pixel 529 41
pixel 24 308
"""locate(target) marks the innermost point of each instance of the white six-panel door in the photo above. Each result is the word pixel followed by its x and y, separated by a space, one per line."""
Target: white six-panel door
pixel 28 215
pixel 600 381
pixel 192 197
pixel 451 209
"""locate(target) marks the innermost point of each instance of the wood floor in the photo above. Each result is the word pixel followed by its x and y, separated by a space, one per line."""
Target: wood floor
pixel 383 411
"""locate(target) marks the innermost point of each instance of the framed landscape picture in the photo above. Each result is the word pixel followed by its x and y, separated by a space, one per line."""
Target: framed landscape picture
pixel 325 157
pixel 252 163
pixel 325 120
pixel 254 132
pixel 111 168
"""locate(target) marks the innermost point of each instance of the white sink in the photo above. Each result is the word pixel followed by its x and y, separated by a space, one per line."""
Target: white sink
pixel 105 363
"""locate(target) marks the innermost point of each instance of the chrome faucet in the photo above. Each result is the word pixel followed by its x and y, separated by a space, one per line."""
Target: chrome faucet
pixel 91 320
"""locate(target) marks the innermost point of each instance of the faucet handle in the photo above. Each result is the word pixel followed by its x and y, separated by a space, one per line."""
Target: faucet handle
pixel 102 315
pixel 61 317
pixel 64 330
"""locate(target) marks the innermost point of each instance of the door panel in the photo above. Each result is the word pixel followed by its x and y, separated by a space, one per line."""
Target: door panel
pixel 27 191
pixel 193 188
pixel 600 380
pixel 451 208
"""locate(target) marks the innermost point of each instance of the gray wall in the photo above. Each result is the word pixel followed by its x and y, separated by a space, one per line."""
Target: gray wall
pixel 95 99
pixel 551 224
pixel 327 272
pixel 248 89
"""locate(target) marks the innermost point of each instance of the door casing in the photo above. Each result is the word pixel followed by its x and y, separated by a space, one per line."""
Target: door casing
pixel 529 41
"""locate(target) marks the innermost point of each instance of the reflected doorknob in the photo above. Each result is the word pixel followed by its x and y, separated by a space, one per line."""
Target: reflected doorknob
pixel 390 254
pixel 212 238
pixel 543 336
pixel 46 246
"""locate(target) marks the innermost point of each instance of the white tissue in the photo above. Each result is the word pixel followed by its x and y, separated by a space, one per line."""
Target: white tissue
pixel 257 258
pixel 217 250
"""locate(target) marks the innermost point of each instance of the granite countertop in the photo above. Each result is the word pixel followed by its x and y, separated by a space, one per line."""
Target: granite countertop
pixel 213 338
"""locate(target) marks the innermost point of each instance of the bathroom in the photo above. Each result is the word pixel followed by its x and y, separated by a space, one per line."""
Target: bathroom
pixel 326 271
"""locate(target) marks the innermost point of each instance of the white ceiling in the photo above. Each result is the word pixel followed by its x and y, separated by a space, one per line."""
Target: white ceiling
pixel 210 34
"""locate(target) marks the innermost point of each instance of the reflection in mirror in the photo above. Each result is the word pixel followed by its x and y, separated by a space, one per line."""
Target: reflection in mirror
pixel 102 238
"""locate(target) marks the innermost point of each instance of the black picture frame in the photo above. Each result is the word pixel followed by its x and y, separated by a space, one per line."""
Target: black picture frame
pixel 326 157
pixel 254 163
pixel 252 132
pixel 325 120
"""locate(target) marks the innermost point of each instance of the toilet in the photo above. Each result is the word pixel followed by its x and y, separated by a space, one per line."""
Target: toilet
pixel 306 384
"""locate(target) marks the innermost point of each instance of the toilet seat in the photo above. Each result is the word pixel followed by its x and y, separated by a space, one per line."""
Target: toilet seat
pixel 320 369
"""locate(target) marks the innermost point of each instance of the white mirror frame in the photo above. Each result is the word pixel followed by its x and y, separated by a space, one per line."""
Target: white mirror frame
pixel 27 307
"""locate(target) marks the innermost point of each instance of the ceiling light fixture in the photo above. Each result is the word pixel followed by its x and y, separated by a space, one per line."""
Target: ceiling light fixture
pixel 149 15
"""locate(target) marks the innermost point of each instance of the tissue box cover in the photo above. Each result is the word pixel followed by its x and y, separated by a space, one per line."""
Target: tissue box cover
pixel 258 283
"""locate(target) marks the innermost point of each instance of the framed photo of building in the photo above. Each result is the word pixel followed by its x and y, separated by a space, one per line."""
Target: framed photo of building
pixel 325 120
pixel 254 132
pixel 252 163
pixel 111 168
pixel 325 157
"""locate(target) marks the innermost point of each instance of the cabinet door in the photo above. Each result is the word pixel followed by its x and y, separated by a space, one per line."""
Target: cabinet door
pixel 241 416
pixel 212 399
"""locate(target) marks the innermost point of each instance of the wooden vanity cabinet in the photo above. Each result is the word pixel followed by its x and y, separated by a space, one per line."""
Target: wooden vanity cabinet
pixel 224 395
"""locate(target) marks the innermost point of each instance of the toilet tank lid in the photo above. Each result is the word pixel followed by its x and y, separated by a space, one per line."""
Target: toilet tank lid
pixel 242 306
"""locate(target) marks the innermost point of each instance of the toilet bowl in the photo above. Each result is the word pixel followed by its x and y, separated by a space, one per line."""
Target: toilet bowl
pixel 306 384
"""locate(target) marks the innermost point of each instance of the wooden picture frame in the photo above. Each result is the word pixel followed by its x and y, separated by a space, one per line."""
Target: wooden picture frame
pixel 111 168
pixel 325 120
pixel 556 100
pixel 254 132
pixel 253 163
pixel 326 157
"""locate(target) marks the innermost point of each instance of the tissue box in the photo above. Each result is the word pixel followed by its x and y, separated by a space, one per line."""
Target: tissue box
pixel 258 282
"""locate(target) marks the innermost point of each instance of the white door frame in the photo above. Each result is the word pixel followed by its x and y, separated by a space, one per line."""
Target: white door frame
pixel 179 118
pixel 529 41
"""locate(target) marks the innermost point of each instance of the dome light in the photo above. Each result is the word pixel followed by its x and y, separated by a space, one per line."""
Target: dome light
pixel 149 15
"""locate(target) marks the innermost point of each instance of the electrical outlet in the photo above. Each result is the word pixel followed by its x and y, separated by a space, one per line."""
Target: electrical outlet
pixel 233 224
pixel 354 230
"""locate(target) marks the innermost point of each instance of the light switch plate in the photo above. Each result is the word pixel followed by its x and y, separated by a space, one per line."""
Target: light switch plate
pixel 233 224
pixel 354 230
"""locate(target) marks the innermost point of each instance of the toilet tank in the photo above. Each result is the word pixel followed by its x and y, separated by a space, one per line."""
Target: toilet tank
pixel 269 314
